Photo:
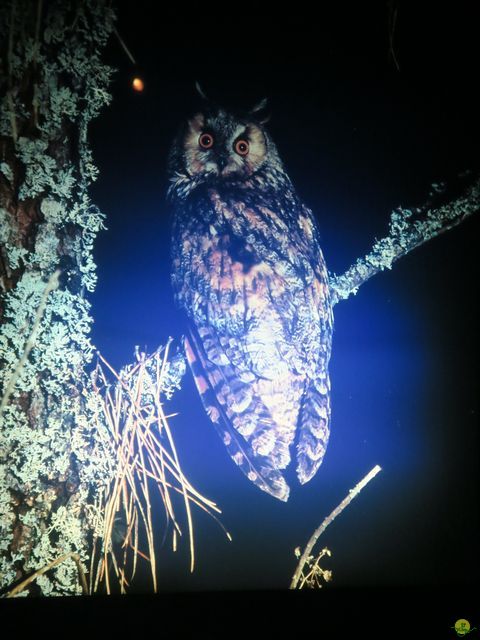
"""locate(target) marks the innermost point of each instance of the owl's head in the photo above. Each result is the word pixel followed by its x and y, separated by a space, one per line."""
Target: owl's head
pixel 216 146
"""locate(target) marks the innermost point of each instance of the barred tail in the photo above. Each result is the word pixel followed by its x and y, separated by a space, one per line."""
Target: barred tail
pixel 314 427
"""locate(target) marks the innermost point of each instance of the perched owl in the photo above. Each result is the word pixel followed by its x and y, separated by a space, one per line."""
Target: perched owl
pixel 249 274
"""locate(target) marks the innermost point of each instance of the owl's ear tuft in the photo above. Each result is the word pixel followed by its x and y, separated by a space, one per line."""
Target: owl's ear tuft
pixel 259 111
pixel 260 106
pixel 200 91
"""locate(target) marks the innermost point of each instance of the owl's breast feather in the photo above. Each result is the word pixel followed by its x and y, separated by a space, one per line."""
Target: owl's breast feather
pixel 236 263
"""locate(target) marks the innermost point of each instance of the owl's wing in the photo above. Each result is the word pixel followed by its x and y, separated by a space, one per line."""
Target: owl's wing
pixel 314 421
pixel 231 397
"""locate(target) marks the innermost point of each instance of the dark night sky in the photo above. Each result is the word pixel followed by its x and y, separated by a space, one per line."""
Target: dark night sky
pixel 358 138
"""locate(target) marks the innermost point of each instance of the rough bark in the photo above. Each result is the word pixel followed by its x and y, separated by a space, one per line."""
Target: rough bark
pixel 52 83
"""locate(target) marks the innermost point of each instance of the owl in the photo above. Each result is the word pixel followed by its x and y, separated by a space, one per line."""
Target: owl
pixel 249 276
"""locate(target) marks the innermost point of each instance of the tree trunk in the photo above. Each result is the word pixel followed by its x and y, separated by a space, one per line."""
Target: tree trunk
pixel 52 83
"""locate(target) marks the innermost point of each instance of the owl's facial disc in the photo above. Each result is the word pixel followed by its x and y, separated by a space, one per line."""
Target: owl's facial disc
pixel 221 147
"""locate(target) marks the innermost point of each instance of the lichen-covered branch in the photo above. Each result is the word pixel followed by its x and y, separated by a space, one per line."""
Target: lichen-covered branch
pixel 408 229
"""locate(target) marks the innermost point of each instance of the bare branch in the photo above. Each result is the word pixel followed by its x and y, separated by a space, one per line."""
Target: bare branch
pixel 124 46
pixel 353 493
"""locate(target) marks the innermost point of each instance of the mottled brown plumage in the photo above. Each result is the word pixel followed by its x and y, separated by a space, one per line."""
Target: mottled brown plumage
pixel 248 272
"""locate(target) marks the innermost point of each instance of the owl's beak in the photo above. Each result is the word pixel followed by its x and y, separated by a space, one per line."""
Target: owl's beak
pixel 222 162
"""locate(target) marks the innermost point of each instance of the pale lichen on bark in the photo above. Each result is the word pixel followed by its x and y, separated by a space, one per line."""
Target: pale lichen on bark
pixel 54 83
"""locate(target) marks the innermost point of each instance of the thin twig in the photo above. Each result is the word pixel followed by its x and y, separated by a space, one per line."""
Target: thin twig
pixel 353 493
pixel 74 556
pixel 392 21
pixel 11 104
pixel 35 63
pixel 52 284
pixel 124 46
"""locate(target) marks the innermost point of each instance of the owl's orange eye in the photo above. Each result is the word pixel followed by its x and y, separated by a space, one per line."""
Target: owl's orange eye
pixel 206 141
pixel 242 147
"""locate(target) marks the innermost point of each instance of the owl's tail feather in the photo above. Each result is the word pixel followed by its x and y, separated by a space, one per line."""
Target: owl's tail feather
pixel 314 428
pixel 219 387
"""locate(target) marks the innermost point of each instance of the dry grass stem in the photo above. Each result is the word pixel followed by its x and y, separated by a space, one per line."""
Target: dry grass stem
pixel 148 466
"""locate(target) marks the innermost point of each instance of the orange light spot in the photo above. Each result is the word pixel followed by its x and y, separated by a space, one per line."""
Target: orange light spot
pixel 137 84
